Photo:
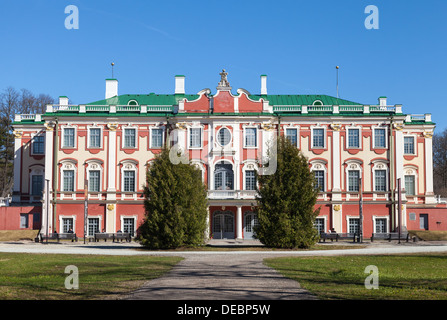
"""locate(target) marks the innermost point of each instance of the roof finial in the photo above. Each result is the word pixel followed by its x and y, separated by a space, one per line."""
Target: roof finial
pixel 223 84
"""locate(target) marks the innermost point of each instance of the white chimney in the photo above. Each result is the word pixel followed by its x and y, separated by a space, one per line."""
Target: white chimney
pixel 179 84
pixel 111 88
pixel 63 101
pixel 382 101
pixel 263 84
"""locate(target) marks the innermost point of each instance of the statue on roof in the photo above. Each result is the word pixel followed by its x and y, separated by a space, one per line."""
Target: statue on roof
pixel 223 84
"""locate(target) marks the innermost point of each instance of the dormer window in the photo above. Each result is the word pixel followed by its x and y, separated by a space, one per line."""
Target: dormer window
pixel 317 103
pixel 132 103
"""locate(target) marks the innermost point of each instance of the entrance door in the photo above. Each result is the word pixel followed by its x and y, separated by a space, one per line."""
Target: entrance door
pixel 423 221
pixel 223 225
pixel 250 221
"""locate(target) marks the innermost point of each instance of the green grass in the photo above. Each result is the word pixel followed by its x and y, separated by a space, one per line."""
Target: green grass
pixel 402 277
pixel 42 276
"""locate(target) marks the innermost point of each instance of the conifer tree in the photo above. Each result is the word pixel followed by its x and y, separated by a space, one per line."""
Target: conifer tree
pixel 286 200
pixel 175 204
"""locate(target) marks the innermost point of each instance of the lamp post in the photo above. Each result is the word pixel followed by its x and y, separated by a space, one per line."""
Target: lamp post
pixel 47 204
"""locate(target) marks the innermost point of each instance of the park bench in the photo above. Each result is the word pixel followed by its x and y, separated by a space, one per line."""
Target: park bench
pixel 122 236
pixel 338 236
pixel 58 237
pixel 105 236
pixel 114 236
pixel 390 236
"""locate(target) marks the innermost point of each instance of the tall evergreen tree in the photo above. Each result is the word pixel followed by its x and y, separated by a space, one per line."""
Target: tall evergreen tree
pixel 286 200
pixel 175 203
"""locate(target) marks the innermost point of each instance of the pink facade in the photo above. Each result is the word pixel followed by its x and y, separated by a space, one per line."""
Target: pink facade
pixel 101 151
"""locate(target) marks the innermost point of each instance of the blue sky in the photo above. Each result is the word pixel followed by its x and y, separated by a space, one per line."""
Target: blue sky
pixel 296 43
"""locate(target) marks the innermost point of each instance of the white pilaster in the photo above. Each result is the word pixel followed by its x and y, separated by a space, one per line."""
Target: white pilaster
pixel 239 222
pixel 111 163
pixel 429 195
pixel 336 166
pixel 17 166
pixel 399 147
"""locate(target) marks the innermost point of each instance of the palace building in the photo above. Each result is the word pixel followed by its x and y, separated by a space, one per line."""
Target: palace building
pixel 95 155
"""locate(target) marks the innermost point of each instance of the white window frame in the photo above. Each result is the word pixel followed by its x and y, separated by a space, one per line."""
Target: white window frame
pixel 414 144
pixel 34 135
pixel 151 135
pixel 353 165
pixel 248 166
pixel 39 171
pixel 68 165
pixel 291 127
pixel 374 137
pixel 411 171
pixel 61 222
pixel 319 165
pixel 135 219
pixel 231 137
pixel 347 222
pixel 245 127
pixel 354 127
pixel 129 165
pixel 89 146
pixel 99 223
pixel 189 137
pixel 324 218
pixel 312 137
pixel 386 224
pixel 377 166
pixel 123 136
pixel 75 140
pixel 94 165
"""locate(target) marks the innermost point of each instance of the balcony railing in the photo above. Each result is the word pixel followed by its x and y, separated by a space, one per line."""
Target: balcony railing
pixel 58 108
pixel 311 109
pixel 231 194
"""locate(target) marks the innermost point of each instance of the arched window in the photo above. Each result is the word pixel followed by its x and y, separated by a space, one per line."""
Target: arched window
pixel 223 176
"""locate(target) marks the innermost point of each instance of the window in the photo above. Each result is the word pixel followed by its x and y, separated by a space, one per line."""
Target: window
pixel 24 220
pixel 129 225
pixel 129 181
pixel 319 179
pixel 93 226
pixel 353 225
pixel 68 181
pixel 250 180
pixel 353 180
pixel 408 145
pixel 319 225
pixel 69 138
pixel 250 137
pixel 381 224
pixel 379 138
pixel 67 224
pixel 93 181
pixel 224 137
pixel 292 135
pixel 380 180
pixel 223 177
pixel 409 185
pixel 157 138
pixel 318 138
pixel 353 138
pixel 39 144
pixel 95 137
pixel 37 185
pixel 129 138
pixel 195 137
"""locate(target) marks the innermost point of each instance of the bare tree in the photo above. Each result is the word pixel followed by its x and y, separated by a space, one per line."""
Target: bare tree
pixel 440 163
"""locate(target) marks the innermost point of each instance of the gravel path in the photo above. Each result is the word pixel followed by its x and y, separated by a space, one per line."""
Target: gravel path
pixel 218 275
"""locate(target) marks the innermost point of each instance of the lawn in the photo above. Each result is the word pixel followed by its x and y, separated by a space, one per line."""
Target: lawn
pixel 403 277
pixel 28 276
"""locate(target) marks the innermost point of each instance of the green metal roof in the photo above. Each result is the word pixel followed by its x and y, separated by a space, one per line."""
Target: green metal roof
pixel 172 99
pixel 303 99
pixel 146 99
